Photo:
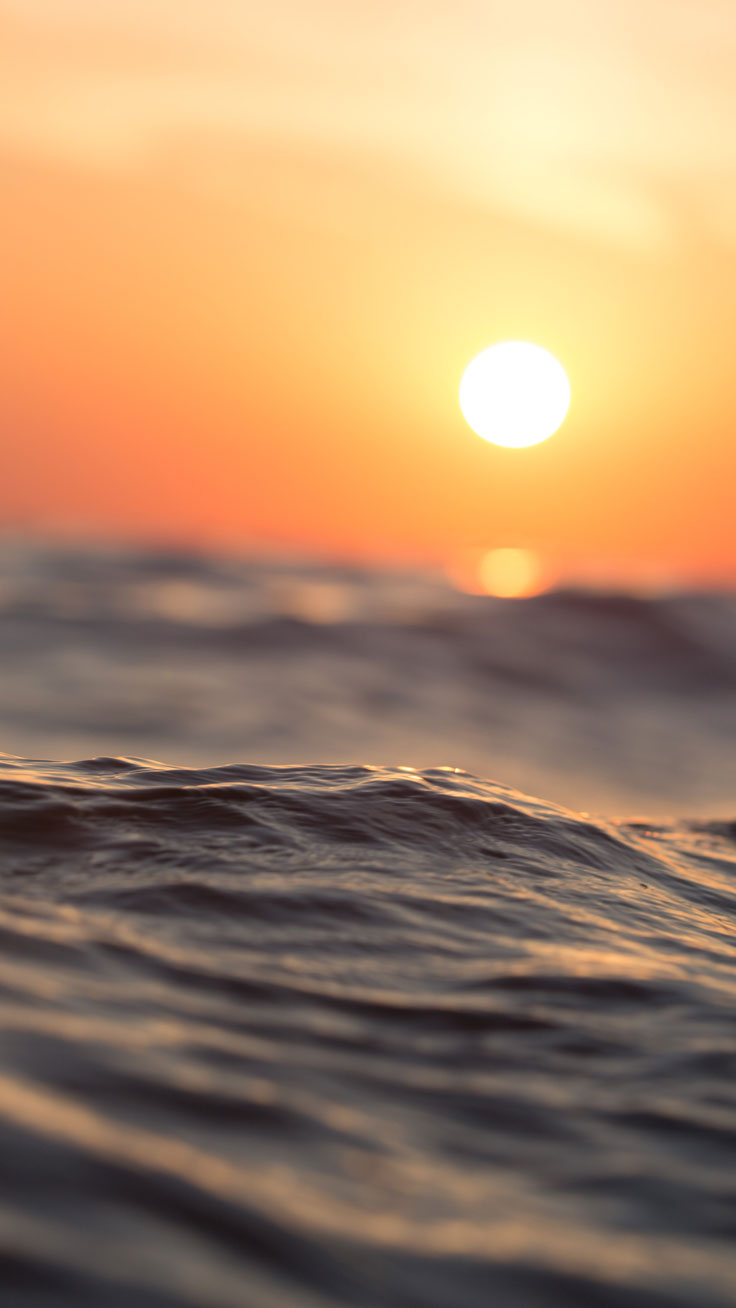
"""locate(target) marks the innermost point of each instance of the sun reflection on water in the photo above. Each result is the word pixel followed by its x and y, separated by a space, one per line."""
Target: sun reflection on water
pixel 506 573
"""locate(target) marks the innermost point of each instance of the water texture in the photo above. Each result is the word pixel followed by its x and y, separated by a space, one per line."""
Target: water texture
pixel 286 1023
pixel 359 1036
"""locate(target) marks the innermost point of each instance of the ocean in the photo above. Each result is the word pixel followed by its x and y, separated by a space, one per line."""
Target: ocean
pixel 363 944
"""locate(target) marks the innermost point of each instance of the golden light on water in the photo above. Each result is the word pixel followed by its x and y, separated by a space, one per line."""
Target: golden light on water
pixel 514 394
pixel 510 573
pixel 505 573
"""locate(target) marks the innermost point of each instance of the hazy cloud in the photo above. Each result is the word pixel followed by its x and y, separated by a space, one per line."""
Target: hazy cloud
pixel 593 116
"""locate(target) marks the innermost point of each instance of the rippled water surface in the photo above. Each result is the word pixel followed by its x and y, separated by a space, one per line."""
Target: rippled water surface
pixel 348 1034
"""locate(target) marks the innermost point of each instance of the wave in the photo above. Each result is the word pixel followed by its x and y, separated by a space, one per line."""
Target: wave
pixel 355 1035
pixel 607 702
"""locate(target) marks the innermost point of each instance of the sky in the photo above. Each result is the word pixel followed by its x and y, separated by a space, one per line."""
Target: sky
pixel 249 249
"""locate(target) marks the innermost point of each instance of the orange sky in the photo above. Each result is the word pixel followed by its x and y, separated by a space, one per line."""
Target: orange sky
pixel 248 250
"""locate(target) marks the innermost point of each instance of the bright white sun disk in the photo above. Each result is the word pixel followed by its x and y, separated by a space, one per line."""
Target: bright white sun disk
pixel 514 394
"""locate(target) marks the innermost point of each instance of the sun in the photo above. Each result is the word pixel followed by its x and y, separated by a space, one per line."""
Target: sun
pixel 514 394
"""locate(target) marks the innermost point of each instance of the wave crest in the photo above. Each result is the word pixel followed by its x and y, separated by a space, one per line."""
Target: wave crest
pixel 339 1034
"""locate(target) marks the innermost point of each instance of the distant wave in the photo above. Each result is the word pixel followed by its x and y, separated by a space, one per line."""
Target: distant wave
pixel 359 1036
pixel 613 703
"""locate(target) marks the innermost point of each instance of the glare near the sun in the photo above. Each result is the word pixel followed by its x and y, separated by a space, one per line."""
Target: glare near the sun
pixel 514 394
